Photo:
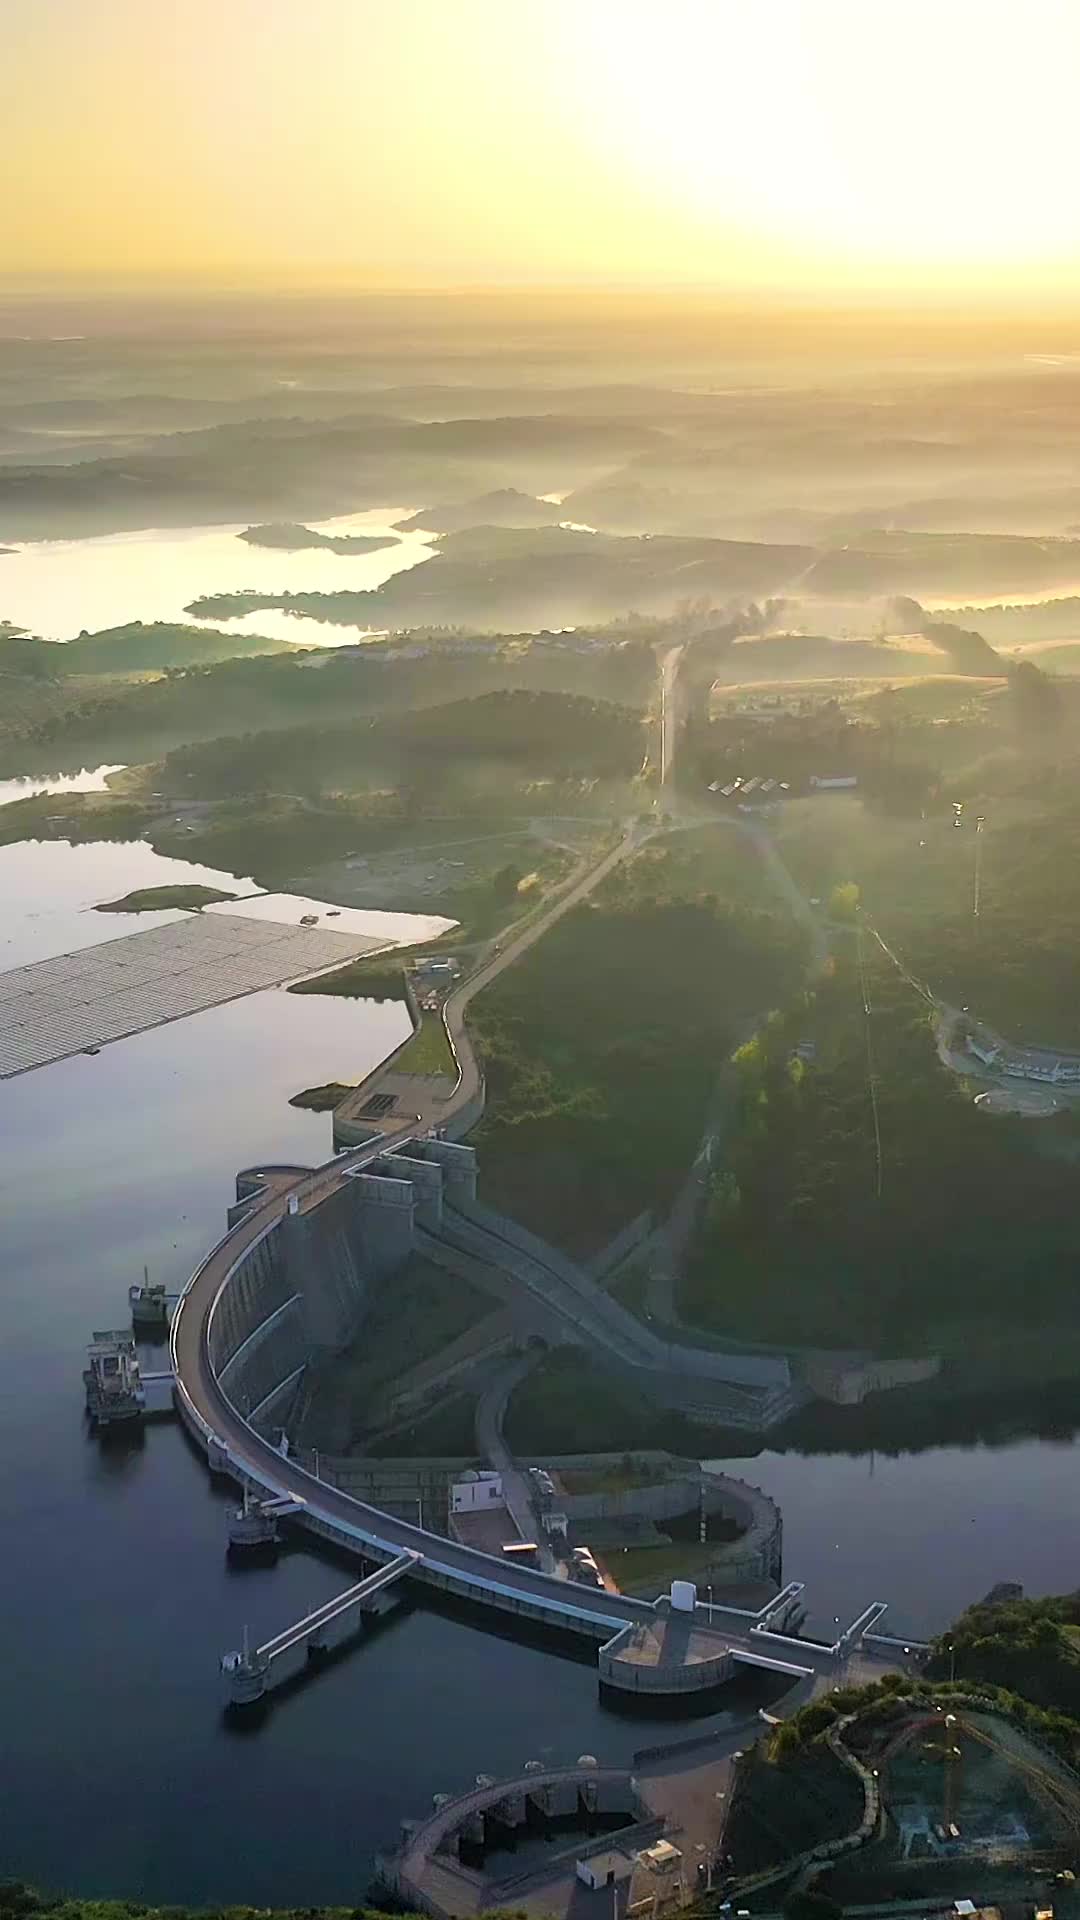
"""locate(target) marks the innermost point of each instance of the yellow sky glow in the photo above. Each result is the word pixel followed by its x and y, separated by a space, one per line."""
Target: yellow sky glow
pixel 736 143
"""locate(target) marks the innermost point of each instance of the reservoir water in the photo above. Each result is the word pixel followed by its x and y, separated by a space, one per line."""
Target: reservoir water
pixel 117 1772
pixel 50 890
pixel 59 588
pixel 88 780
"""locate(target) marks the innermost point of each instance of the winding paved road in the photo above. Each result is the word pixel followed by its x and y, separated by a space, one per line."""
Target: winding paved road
pixel 433 1107
pixel 504 953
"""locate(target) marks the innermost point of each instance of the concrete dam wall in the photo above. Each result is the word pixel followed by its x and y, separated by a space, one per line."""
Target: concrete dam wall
pixel 255 1289
pixel 301 1290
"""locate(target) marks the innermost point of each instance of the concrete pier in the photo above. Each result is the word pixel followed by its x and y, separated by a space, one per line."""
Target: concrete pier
pixel 253 1525
pixel 247 1674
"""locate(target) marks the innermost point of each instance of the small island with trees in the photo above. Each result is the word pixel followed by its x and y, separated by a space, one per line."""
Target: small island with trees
pixel 288 536
pixel 156 899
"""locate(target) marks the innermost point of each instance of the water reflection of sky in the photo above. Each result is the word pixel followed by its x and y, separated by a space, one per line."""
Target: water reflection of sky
pixel 929 1532
pixel 292 908
pixel 60 588
pixel 87 780
pixel 50 888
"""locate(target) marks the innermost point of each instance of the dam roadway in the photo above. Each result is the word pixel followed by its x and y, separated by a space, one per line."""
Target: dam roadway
pixel 232 1445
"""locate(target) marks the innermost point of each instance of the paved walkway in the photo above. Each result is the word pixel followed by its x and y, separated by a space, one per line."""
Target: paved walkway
pixel 491 1445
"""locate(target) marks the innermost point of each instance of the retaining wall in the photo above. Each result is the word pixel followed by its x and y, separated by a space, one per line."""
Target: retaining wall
pixel 258 1287
pixel 269 1356
pixel 755 1371
pixel 758 1552
pixel 467 1115
pixel 637 1676
pixel 328 1266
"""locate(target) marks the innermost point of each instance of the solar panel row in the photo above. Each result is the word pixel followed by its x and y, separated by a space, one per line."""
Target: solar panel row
pixel 79 1000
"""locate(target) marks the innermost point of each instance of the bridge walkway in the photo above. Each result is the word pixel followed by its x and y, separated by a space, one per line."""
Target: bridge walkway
pixel 742 1388
pixel 333 1610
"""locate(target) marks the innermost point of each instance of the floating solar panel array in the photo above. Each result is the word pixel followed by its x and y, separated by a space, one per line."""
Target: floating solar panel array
pixel 83 1000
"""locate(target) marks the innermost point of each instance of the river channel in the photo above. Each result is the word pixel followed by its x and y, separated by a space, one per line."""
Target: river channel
pixel 118 1774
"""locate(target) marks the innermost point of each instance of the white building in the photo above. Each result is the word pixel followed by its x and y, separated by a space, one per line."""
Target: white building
pixel 605 1869
pixel 477 1493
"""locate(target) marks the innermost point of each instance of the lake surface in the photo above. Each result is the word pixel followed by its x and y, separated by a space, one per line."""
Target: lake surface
pixel 59 588
pixel 49 890
pixel 89 780
pixel 117 1772
pixel 291 908
pixel 929 1532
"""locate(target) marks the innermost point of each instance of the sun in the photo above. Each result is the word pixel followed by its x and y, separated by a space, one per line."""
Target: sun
pixel 938 136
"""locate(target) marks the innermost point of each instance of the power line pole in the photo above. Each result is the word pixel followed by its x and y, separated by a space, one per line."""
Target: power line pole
pixel 871 1071
pixel 977 888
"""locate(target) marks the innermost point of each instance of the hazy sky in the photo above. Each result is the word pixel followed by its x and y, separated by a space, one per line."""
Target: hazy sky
pixel 845 144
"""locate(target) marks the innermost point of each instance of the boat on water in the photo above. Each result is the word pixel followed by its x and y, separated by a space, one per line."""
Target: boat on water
pixel 114 1389
pixel 149 1305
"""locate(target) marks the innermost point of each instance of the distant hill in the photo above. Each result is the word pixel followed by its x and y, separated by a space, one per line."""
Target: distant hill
pixel 290 537
pixel 813 656
pixel 969 652
pixel 520 731
pixel 1030 620
pixel 139 648
pixel 22 656
pixel 256 468
pixel 507 579
pixel 506 507
pixel 892 560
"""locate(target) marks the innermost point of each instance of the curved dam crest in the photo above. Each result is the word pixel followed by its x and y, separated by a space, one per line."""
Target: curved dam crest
pixel 288 1283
